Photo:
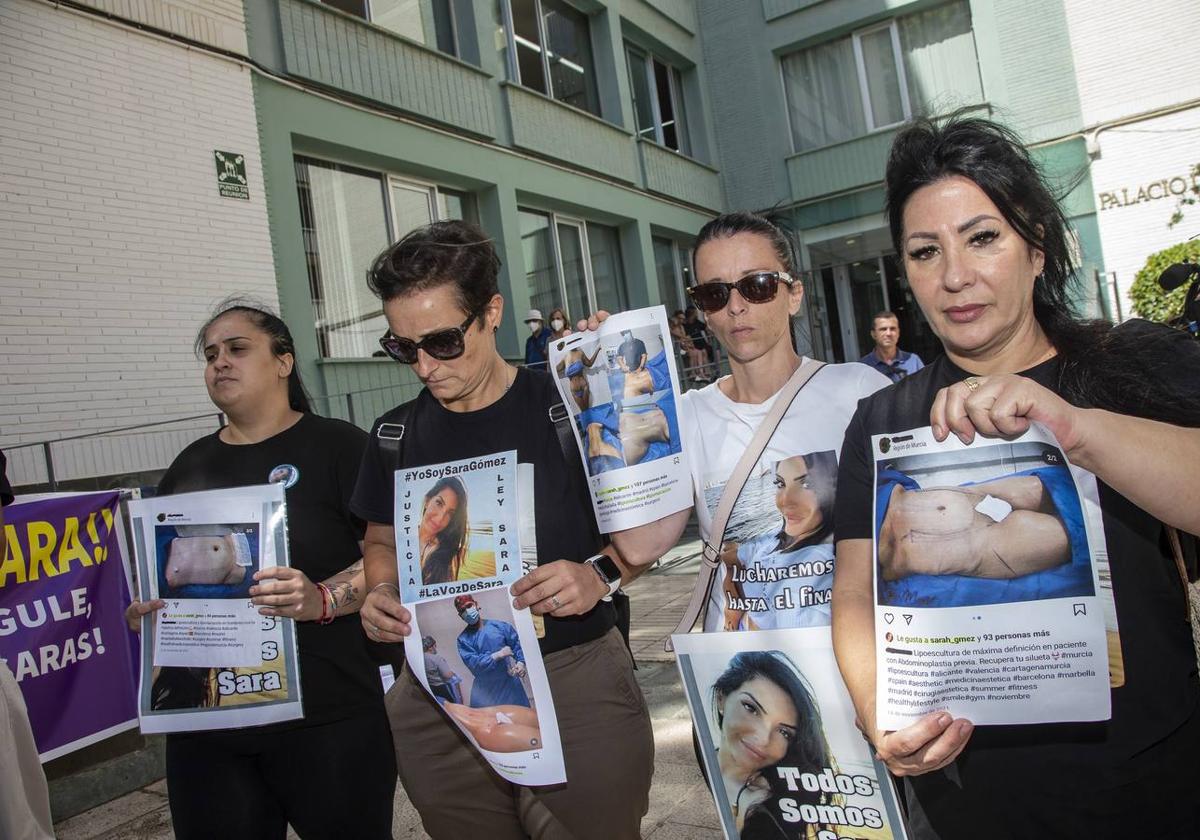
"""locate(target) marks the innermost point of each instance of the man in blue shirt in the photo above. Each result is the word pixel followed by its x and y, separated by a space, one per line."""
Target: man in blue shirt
pixel 492 653
pixel 887 357
pixel 536 346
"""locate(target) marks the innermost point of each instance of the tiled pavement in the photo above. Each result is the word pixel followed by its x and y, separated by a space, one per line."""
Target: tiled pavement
pixel 680 806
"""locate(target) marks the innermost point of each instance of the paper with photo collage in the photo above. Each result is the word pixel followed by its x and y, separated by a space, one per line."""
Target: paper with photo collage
pixel 993 590
pixel 499 699
pixel 620 386
pixel 208 659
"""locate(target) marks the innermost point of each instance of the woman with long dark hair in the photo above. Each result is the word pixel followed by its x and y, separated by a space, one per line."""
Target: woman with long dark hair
pixel 984 246
pixel 331 773
pixel 767 718
pixel 442 535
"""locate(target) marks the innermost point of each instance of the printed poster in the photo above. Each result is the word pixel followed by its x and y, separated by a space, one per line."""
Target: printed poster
pixel 459 531
pixel 209 660
pixel 778 553
pixel 621 388
pixel 778 741
pixel 64 588
pixel 988 562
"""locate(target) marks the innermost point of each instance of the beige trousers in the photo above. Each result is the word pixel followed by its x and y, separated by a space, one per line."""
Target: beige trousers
pixel 608 748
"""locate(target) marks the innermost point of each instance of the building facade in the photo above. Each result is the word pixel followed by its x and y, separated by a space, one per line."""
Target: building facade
pixel 118 232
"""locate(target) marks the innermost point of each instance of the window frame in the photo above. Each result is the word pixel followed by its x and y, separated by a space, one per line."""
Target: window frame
pixel 513 66
pixel 860 65
pixel 675 90
pixel 388 182
pixel 581 225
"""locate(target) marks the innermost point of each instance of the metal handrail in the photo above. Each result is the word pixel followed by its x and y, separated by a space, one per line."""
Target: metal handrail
pixel 217 414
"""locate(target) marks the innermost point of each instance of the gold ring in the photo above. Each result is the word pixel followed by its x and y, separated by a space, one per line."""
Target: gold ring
pixel 972 383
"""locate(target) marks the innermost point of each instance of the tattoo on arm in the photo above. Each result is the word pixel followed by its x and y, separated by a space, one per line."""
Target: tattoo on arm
pixel 342 586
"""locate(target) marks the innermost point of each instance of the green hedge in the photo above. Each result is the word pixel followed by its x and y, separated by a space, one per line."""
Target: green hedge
pixel 1149 300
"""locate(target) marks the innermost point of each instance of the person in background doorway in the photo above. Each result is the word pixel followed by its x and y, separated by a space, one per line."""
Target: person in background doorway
pixel 537 353
pixel 887 357
pixel 559 323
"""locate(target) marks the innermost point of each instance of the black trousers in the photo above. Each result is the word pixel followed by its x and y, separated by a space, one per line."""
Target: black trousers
pixel 331 780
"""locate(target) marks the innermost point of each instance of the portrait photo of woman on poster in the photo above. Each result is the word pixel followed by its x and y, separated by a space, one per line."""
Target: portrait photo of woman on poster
pixel 442 535
pixel 805 487
pixel 767 719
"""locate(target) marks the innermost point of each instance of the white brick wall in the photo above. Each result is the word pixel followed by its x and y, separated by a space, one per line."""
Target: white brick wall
pixel 1132 57
pixel 218 23
pixel 114 242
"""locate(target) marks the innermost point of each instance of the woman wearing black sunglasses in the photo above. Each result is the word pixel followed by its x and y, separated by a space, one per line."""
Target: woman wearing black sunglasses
pixel 749 292
pixel 440 296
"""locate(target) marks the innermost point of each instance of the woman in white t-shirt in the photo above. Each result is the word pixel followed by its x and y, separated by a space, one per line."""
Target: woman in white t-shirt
pixel 746 270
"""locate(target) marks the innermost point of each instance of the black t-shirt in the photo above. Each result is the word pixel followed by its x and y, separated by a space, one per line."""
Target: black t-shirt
pixel 338 676
pixel 1089 766
pixel 566 525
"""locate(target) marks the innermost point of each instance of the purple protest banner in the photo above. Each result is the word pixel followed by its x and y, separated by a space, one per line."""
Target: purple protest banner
pixel 63 594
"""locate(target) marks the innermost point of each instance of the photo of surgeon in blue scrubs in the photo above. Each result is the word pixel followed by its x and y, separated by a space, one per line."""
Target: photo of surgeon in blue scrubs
pixel 492 653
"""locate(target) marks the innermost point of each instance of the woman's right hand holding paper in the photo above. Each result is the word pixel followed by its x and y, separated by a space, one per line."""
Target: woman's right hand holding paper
pixel 137 609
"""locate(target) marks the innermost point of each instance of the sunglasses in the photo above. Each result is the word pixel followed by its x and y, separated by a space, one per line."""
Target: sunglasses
pixel 442 345
pixel 760 287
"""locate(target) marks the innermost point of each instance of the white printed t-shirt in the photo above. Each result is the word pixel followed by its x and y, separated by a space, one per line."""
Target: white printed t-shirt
pixel 715 432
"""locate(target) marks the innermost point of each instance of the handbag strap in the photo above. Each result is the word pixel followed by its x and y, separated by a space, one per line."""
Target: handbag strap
pixel 710 556
pixel 1177 553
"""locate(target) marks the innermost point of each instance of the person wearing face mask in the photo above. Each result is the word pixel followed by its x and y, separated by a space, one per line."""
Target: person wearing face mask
pixel 558 324
pixel 492 653
pixel 537 352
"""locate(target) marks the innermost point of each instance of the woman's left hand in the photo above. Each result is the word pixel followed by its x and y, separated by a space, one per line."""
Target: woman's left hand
pixel 1003 405
pixel 559 589
pixel 286 592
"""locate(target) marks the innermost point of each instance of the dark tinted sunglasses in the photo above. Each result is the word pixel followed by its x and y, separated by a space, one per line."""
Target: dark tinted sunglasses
pixel 760 287
pixel 443 345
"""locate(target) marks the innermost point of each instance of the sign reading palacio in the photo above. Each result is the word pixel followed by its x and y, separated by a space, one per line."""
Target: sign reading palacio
pixel 1177 185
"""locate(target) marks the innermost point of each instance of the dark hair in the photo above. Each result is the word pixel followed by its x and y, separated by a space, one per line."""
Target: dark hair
pixel 276 330
pixel 743 221
pixel 822 475
pixel 442 253
pixel 809 752
pixel 443 562
pixel 887 313
pixel 1099 367
pixel 181 688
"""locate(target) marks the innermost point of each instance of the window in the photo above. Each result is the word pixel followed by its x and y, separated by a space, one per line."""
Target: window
pixel 348 216
pixel 658 100
pixel 880 76
pixel 673 265
pixel 571 264
pixel 429 22
pixel 549 50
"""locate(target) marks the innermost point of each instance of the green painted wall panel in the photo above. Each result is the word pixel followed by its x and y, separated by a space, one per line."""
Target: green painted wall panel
pixel 542 125
pixel 680 12
pixel 361 390
pixel 845 166
pixel 343 52
pixel 678 176
pixel 778 8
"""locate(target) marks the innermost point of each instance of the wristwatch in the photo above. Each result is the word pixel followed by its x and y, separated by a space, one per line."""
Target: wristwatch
pixel 609 571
